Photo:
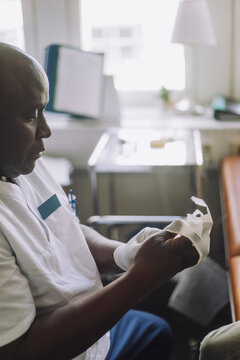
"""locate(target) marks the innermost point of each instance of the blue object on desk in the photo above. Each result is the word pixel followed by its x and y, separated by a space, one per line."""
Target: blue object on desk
pixel 49 206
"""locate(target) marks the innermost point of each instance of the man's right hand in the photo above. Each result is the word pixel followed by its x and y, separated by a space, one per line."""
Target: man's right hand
pixel 162 256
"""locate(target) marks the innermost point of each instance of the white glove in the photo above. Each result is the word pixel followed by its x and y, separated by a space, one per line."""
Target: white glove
pixel 197 228
pixel 124 254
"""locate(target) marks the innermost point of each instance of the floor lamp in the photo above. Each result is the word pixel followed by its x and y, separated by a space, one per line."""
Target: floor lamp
pixel 193 27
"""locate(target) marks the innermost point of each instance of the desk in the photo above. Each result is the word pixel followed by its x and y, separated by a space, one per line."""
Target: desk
pixel 76 139
pixel 124 150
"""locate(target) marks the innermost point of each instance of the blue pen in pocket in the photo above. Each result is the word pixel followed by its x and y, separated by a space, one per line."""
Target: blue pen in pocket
pixel 73 202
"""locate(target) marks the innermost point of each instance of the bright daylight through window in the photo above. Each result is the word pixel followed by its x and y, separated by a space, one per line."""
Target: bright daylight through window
pixel 11 22
pixel 135 36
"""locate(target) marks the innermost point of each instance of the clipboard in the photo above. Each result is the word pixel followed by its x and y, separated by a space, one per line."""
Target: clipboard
pixel 76 81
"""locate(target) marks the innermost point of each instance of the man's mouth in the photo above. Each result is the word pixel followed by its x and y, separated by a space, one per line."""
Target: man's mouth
pixel 38 154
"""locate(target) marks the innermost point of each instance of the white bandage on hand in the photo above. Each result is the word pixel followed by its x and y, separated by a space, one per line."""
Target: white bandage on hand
pixel 124 254
pixel 197 228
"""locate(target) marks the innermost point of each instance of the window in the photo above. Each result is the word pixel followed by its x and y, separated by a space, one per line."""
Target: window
pixel 135 37
pixel 11 23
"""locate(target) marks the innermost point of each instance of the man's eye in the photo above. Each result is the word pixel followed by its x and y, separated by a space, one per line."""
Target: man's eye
pixel 31 118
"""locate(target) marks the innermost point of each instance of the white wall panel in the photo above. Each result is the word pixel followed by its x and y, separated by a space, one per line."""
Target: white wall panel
pixel 214 63
pixel 50 21
pixel 236 42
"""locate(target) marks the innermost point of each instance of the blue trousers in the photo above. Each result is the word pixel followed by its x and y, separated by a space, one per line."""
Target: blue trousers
pixel 140 336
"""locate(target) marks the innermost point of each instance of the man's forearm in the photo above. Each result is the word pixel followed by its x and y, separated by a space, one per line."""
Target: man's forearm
pixel 70 330
pixel 102 250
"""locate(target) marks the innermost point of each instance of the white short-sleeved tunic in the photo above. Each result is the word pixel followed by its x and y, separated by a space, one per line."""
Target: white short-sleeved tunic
pixel 44 263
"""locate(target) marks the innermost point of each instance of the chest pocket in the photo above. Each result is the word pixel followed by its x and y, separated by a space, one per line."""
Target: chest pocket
pixel 61 218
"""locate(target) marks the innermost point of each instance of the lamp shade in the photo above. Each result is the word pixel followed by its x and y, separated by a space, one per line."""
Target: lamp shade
pixel 193 24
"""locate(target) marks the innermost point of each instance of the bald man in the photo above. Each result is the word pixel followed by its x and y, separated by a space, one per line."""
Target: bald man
pixel 52 302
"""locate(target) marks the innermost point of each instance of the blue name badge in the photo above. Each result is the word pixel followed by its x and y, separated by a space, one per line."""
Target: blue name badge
pixel 49 206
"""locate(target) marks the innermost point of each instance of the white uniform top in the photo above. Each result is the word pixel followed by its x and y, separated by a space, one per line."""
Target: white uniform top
pixel 44 264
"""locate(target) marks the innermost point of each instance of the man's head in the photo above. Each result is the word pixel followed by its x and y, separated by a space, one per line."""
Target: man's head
pixel 23 98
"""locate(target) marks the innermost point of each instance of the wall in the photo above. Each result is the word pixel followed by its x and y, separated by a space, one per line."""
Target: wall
pixel 51 21
pixel 236 60
pixel 213 64
pixel 215 70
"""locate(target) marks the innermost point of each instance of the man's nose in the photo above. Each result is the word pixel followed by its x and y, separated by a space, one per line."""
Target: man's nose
pixel 44 130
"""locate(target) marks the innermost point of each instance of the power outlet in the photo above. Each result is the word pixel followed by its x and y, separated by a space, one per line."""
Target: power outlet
pixel 208 155
pixel 235 148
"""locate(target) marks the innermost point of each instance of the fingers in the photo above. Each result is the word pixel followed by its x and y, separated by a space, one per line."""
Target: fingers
pixel 180 245
pixel 167 235
pixel 185 244
pixel 195 256
pixel 163 236
pixel 184 241
pixel 191 254
pixel 163 255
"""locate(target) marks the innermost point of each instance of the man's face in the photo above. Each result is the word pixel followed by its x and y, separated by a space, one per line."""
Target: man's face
pixel 22 122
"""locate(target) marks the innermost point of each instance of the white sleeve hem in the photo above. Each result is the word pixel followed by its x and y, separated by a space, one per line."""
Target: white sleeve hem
pixel 18 330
